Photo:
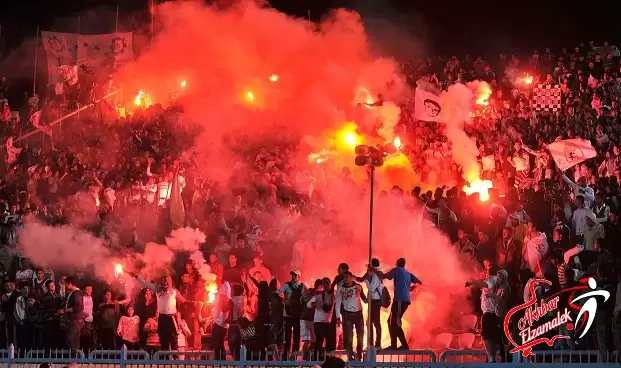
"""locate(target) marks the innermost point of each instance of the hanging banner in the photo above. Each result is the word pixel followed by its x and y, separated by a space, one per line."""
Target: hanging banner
pixel 104 51
pixel 91 53
pixel 61 49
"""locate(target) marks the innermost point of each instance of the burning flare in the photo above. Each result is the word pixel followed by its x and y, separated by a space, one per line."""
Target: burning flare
pixel 479 186
pixel 212 292
pixel 250 96
pixel 397 142
pixel 143 99
pixel 184 84
pixel 274 78
pixel 118 269
pixel 527 79
pixel 483 95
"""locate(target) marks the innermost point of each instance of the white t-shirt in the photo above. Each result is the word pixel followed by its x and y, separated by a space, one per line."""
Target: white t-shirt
pixel 489 304
pixel 320 314
pixel 166 299
pixel 87 302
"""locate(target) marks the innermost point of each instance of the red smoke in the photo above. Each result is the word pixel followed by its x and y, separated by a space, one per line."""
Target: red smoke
pixel 227 55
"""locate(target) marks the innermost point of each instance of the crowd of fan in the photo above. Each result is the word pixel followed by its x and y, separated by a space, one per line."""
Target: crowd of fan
pixel 539 222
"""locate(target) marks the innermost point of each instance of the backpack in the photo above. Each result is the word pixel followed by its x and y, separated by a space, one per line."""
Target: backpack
pixel 385 299
pixel 294 305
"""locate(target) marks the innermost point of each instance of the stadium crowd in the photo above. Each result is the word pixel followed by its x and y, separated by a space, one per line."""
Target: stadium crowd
pixel 539 222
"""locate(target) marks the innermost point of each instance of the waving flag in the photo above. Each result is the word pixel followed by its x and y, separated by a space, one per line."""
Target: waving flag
pixel 427 106
pixel 175 204
pixel 35 120
pixel 60 49
pixel 569 152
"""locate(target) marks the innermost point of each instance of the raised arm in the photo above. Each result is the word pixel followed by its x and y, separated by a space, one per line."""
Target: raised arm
pixel 149 285
pixel 568 181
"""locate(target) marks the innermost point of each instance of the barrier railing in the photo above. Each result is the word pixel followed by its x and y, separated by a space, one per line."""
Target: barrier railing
pixel 11 358
pixel 76 112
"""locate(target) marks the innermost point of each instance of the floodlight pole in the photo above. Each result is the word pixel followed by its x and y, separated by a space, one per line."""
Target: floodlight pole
pixel 370 344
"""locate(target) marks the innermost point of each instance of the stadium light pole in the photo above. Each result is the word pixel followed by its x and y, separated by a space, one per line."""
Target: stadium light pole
pixel 372 157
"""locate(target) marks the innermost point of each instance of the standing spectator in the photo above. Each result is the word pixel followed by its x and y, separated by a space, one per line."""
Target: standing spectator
pixel 128 329
pixel 51 303
pixel 107 321
pixel 403 280
pixel 349 298
pixel 293 291
pixel 491 323
pixel 167 299
pixel 221 317
pixel 323 302
pixel 73 312
pixel 9 299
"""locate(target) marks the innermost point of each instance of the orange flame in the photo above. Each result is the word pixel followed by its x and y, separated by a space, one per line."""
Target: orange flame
pixel 397 142
pixel 483 96
pixel 118 269
pixel 143 99
pixel 527 79
pixel 250 96
pixel 479 186
pixel 212 292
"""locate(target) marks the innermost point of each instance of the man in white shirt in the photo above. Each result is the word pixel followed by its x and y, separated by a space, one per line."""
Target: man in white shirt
pixel 579 219
pixel 167 298
pixel 581 189
pixel 87 335
pixel 348 309
pixel 491 323
pixel 375 287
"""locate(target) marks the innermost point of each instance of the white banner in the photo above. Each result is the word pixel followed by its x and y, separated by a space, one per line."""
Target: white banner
pixel 427 106
pixel 90 51
pixel 61 49
pixel 96 51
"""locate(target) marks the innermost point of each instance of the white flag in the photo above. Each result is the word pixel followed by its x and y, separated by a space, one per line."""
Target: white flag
pixel 427 106
pixel 570 152
pixel 11 152
pixel 35 120
pixel 60 49
pixel 69 73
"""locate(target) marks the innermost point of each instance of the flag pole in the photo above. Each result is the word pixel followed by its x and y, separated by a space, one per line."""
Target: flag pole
pixel 309 13
pixel 34 76
pixel 79 21
pixel 116 27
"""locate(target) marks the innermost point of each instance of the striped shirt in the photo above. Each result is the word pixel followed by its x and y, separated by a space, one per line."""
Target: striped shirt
pixel 562 278
pixel 248 333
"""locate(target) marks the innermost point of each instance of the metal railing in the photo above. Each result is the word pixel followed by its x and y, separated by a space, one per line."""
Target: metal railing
pixel 11 358
pixel 68 116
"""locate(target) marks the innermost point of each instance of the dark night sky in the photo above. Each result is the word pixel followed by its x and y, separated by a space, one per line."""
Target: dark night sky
pixel 457 26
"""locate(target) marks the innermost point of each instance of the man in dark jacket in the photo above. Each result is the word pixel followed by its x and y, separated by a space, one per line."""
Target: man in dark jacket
pixel 50 304
pixel 73 312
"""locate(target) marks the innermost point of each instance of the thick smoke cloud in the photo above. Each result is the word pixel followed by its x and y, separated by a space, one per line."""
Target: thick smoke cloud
pixel 228 55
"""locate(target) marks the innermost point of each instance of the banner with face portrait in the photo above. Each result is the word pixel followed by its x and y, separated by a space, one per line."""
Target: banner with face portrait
pixel 427 106
pixel 92 53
